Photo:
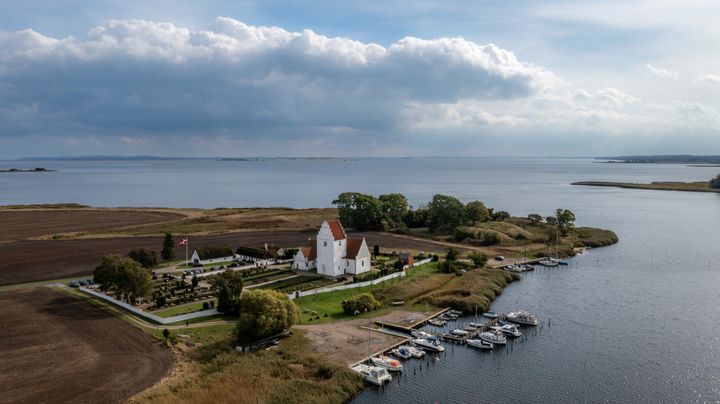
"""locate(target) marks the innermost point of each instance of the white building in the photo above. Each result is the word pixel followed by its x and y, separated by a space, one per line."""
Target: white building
pixel 332 253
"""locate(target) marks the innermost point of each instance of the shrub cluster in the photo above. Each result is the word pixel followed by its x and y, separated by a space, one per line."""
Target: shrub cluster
pixel 361 303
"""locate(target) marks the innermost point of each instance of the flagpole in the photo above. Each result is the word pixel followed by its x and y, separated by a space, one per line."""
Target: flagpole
pixel 187 241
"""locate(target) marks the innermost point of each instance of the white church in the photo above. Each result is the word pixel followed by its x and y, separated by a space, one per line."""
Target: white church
pixel 332 253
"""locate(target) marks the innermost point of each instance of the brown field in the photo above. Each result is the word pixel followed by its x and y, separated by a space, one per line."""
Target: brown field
pixel 35 260
pixel 57 348
pixel 23 224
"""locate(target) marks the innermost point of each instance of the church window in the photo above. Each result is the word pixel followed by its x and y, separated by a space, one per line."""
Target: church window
pixel 324 243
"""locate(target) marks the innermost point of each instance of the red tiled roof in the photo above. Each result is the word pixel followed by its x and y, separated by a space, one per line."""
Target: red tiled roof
pixel 337 230
pixel 309 252
pixel 353 247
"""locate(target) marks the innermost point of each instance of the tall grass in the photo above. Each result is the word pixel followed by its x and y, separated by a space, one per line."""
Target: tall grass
pixel 477 288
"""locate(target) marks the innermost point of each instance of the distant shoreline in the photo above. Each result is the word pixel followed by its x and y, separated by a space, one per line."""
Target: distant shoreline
pixel 701 186
pixel 27 170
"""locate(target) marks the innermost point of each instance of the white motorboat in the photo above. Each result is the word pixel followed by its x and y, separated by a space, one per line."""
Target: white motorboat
pixel 475 325
pixel 401 353
pixel 387 362
pixel 490 314
pixel 429 344
pixel 478 343
pixel 373 374
pixel 421 334
pixel 459 332
pixel 437 323
pixel 493 338
pixel 507 329
pixel 522 317
pixel 416 353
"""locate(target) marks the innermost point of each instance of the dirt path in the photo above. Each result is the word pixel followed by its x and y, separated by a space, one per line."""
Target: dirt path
pixel 58 348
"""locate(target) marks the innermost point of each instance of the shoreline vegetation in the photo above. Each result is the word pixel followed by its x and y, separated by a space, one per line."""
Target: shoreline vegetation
pixel 692 160
pixel 700 186
pixel 27 170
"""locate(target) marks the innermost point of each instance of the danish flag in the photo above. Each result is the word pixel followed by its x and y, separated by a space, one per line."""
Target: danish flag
pixel 183 241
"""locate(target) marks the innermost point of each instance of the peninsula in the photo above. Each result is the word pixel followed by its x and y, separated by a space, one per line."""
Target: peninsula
pixel 699 186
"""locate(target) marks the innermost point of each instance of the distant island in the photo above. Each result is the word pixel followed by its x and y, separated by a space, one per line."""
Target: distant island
pixel 26 170
pixel 699 186
pixel 703 161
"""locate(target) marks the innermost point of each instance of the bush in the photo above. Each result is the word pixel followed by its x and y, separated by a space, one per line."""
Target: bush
pixel 435 258
pixel 398 265
pixel 490 238
pixel 264 313
pixel 452 254
pixel 715 182
pixel 463 233
pixel 361 303
pixel 479 259
pixel 144 257
pixel 206 306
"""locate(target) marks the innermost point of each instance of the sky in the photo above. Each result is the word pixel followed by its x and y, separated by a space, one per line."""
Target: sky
pixel 359 78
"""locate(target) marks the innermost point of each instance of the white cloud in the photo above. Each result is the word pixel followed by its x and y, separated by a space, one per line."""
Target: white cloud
pixel 662 73
pixel 711 79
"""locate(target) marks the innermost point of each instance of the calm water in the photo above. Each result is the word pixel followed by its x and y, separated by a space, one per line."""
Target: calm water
pixel 635 322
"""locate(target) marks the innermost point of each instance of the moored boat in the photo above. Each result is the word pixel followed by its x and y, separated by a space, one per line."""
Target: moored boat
pixel 373 374
pixel 522 317
pixel 493 338
pixel 490 314
pixel 437 323
pixel 387 362
pixel 458 332
pixel 416 353
pixel 428 344
pixel 402 353
pixel 478 343
pixel 475 325
pixel 508 329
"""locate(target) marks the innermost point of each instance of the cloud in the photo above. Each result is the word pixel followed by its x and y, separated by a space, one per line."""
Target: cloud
pixel 137 77
pixel 711 79
pixel 662 73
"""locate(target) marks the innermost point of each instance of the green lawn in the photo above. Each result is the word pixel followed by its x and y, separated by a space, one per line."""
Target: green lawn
pixel 330 303
pixel 181 309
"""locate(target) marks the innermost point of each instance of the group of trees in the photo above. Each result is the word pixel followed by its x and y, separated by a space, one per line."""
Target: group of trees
pixel 393 213
pixel 228 287
pixel 123 276
pixel 361 303
pixel 146 258
pixel 264 313
pixel 715 182
pixel 563 221
pixel 206 252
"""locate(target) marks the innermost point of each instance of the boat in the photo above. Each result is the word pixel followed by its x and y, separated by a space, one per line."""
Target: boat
pixel 451 315
pixel 402 353
pixel 522 317
pixel 387 362
pixel 373 374
pixel 428 344
pixel 490 314
pixel 421 334
pixel 508 329
pixel 455 312
pixel 493 338
pixel 416 353
pixel 475 325
pixel 478 343
pixel 548 263
pixel 470 328
pixel 459 332
pixel 437 323
pixel 562 262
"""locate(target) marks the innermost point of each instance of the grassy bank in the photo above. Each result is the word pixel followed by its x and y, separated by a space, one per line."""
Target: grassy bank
pixel 475 289
pixel 701 186
pixel 216 373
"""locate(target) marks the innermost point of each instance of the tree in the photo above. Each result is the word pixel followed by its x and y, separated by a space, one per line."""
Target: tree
pixel 490 238
pixel 146 258
pixel 445 213
pixel 166 334
pixel 416 218
pixel 715 182
pixel 452 254
pixel 535 218
pixel 194 281
pixel 376 250
pixel 565 220
pixel 168 248
pixel 551 220
pixel 477 212
pixel 478 258
pixel 361 303
pixel 501 215
pixel 264 313
pixel 394 208
pixel 124 276
pixel 228 286
pixel 359 211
